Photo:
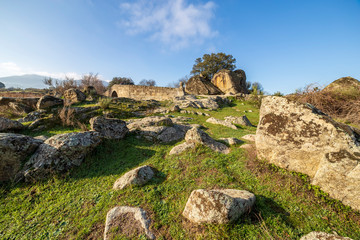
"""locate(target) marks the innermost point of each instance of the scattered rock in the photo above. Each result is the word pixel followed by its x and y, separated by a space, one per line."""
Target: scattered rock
pixel 200 86
pixel 60 153
pixel 128 221
pixel 110 128
pixel 232 141
pixel 195 135
pixel 175 108
pixel 48 101
pixel 20 108
pixel 182 148
pixel 301 138
pixel 14 149
pixel 10 125
pixel 157 128
pixel 221 122
pixel 323 236
pixel 74 95
pixel 192 101
pixel 230 82
pixel 218 206
pixel 247 146
pixel 139 177
pixel 44 123
pixel 249 137
pixel 32 116
pixel 243 120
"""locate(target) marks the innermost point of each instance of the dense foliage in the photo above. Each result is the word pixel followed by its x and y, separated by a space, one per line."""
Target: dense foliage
pixel 146 82
pixel 210 64
pixel 121 81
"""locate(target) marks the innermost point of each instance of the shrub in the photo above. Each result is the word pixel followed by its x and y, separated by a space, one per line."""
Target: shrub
pixel 104 103
pixel 68 118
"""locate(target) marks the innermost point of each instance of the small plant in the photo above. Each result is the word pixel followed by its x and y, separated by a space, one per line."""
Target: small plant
pixel 68 118
pixel 278 94
pixel 104 103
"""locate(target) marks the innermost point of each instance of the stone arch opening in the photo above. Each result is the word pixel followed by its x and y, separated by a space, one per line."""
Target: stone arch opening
pixel 114 94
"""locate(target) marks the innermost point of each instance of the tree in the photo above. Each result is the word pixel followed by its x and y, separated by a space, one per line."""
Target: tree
pixel 121 81
pixel 146 82
pixel 210 64
pixel 2 85
pixel 92 80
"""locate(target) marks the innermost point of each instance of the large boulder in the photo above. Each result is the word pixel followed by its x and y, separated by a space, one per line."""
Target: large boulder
pixel 20 108
pixel 196 135
pixel 218 206
pixel 230 82
pixel 138 177
pixel 48 101
pixel 32 116
pixel 301 138
pixel 110 128
pixel 10 125
pixel 199 86
pixel 323 236
pixel 191 101
pixel 14 149
pixel 74 95
pixel 60 153
pixel 131 222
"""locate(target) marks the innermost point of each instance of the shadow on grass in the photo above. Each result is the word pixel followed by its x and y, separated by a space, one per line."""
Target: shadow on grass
pixel 113 157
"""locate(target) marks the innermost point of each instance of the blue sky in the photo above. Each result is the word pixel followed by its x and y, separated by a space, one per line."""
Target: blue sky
pixel 283 44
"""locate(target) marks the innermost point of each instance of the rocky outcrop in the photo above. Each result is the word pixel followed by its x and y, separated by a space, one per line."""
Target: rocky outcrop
pixel 243 120
pixel 138 177
pixel 48 101
pixel 221 122
pixel 60 153
pixel 301 138
pixel 158 129
pixel 230 82
pixel 32 116
pixel 200 86
pixel 20 108
pixel 345 85
pixel 323 236
pixel 218 206
pixel 130 222
pixel 110 128
pixel 212 102
pixel 14 151
pixel 10 125
pixel 74 95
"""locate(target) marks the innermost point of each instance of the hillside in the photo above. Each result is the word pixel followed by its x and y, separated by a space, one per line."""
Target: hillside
pixel 74 205
pixel 28 81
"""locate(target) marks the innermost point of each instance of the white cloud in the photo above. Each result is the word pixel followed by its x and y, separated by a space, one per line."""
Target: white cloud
pixel 175 23
pixel 12 69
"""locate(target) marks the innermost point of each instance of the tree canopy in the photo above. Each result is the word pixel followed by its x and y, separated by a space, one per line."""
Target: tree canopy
pixel 210 64
pixel 121 81
pixel 146 82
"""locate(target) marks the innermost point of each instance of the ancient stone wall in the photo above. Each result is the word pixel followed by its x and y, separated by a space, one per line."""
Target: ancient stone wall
pixel 145 92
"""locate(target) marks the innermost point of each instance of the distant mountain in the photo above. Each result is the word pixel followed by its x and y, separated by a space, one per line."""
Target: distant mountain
pixel 28 81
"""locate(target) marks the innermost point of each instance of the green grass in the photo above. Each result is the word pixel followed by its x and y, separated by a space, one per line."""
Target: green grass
pixel 75 206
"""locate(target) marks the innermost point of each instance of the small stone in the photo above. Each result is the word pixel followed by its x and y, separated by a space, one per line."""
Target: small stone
pixel 139 177
pixel 323 236
pixel 232 141
pixel 221 122
pixel 131 222
pixel 249 137
pixel 182 148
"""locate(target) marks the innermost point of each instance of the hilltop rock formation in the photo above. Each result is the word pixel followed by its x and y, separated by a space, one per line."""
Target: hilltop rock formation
pixel 10 125
pixel 218 206
pixel 127 221
pixel 14 149
pixel 200 86
pixel 111 128
pixel 344 85
pixel 138 176
pixel 230 82
pixel 301 138
pixel 48 101
pixel 74 95
pixel 60 153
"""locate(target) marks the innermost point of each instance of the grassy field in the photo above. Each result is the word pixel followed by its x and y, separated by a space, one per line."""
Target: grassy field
pixel 75 206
